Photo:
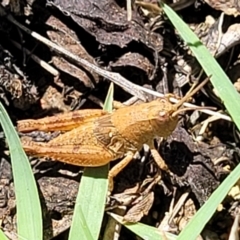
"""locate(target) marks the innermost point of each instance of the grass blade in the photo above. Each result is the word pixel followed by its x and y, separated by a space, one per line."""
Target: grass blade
pixel 90 203
pixel 230 98
pixel 196 224
pixel 2 235
pixel 219 79
pixel 144 231
pixel 108 104
pixel 29 216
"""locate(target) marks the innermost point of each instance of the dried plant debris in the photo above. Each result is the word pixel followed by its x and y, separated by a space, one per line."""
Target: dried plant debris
pixel 139 199
pixel 141 208
pixel 142 205
pixel 105 18
pixel 106 22
pixel 63 36
pixel 58 193
pixel 7 200
pixel 14 85
pixel 185 214
pixel 218 35
pixel 53 99
pixel 19 7
pixel 134 60
pixel 193 164
pixel 230 7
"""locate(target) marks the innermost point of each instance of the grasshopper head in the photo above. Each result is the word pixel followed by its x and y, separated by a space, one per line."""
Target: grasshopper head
pixel 165 119
pixel 162 119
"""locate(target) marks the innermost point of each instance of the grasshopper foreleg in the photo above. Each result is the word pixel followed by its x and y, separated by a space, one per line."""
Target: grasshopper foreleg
pixel 157 158
pixel 118 168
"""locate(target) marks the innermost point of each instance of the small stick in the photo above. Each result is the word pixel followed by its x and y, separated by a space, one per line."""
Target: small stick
pixel 134 89
pixel 114 77
pixel 39 61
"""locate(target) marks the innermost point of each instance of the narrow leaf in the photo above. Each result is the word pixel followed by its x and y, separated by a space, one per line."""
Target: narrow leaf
pixel 29 216
pixel 144 231
pixel 225 89
pixel 90 203
pixel 198 222
pixel 2 235
pixel 231 100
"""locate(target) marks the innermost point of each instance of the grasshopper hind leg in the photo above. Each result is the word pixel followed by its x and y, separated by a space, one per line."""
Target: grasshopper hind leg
pixel 81 155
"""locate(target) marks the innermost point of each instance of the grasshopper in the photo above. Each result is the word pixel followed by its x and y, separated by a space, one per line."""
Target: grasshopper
pixel 93 138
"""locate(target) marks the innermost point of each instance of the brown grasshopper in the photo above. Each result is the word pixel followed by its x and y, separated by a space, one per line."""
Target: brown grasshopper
pixel 96 137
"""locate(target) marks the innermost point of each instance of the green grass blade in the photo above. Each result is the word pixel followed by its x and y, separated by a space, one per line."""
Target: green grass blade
pixel 2 235
pixel 144 231
pixel 108 104
pixel 29 216
pixel 230 98
pixel 90 203
pixel 196 224
pixel 228 94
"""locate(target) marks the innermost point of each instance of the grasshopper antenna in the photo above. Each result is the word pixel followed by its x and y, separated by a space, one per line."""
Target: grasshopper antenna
pixel 189 94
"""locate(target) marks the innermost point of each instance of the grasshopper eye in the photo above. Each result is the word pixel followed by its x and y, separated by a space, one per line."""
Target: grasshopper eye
pixel 162 113
pixel 163 100
pixel 162 107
